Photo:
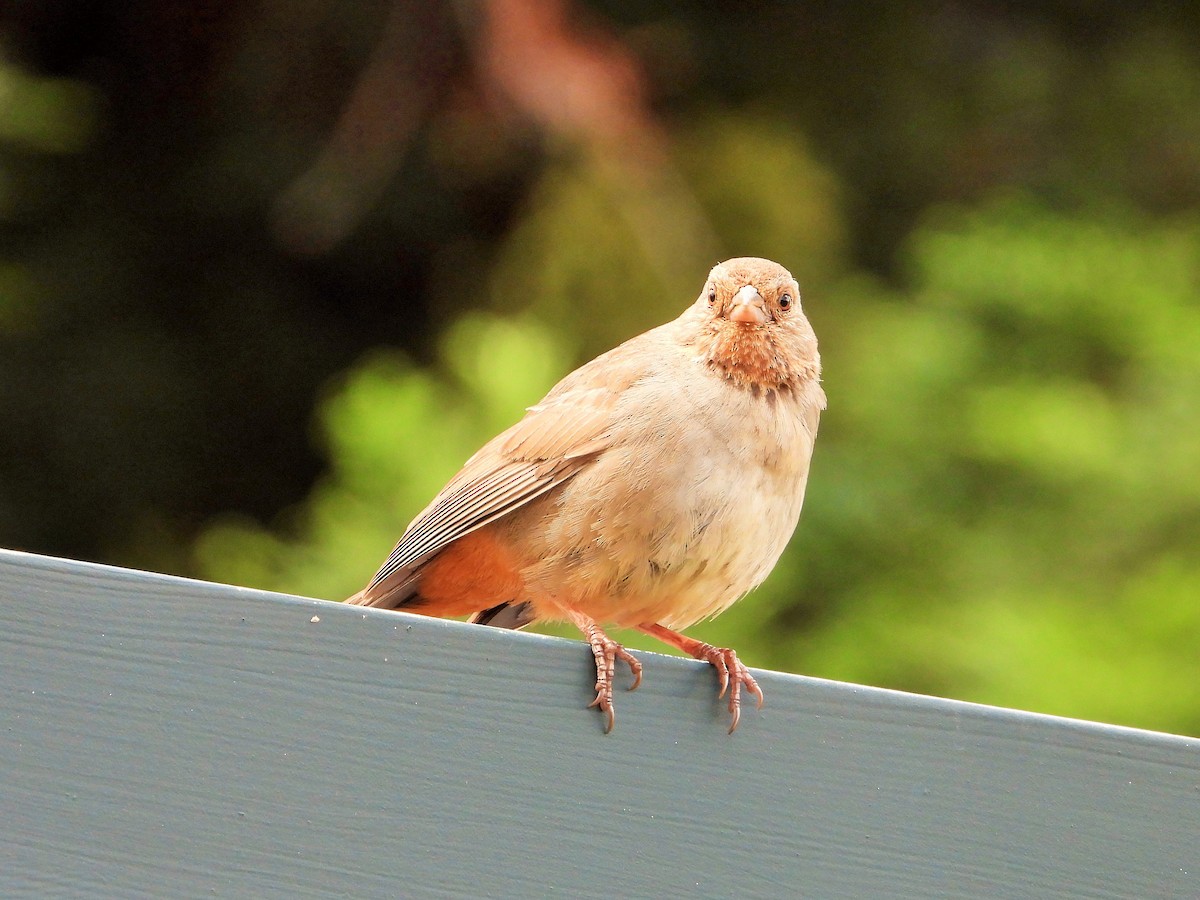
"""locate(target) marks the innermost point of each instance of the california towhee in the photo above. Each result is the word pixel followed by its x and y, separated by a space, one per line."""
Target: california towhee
pixel 650 488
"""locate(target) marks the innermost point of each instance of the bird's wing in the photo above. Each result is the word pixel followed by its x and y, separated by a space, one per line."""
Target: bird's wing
pixel 552 443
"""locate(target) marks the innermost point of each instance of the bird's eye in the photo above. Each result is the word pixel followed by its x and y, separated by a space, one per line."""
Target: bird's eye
pixel 785 301
pixel 712 297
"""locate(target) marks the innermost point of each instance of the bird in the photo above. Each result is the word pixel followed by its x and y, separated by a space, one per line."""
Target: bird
pixel 651 488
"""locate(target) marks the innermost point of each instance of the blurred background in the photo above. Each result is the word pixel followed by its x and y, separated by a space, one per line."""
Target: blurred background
pixel 270 270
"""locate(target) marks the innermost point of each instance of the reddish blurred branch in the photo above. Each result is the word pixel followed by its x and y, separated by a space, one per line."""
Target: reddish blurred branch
pixel 536 62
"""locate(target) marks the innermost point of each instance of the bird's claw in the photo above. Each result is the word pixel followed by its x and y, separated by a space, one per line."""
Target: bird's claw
pixel 607 652
pixel 733 675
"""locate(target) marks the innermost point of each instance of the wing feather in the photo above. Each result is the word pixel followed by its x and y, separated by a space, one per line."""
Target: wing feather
pixel 553 442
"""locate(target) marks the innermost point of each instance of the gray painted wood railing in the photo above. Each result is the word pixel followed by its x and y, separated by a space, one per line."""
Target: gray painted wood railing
pixel 166 737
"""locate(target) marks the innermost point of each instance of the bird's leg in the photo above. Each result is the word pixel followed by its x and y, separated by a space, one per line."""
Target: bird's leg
pixel 730 670
pixel 607 652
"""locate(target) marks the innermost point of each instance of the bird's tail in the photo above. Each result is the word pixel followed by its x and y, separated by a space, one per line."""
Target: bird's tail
pixel 503 615
pixel 391 593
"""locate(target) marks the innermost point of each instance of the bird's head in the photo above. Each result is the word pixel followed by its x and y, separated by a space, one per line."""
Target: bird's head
pixel 751 327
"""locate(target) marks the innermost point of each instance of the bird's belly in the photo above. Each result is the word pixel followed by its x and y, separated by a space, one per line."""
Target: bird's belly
pixel 674 537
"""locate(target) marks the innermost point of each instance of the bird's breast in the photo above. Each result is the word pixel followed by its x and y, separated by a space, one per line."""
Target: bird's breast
pixel 687 510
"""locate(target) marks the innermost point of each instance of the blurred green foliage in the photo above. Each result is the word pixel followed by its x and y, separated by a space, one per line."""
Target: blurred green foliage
pixel 44 117
pixel 1010 490
pixel 209 366
pixel 394 433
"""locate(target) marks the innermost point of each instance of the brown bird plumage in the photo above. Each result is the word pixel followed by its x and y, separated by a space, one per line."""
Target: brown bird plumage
pixel 651 488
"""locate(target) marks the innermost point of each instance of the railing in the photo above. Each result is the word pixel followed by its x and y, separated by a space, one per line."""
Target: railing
pixel 172 738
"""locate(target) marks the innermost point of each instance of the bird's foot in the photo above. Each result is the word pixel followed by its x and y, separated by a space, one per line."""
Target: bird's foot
pixel 732 673
pixel 734 676
pixel 606 652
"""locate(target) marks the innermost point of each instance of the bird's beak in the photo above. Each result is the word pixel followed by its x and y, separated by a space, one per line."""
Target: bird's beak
pixel 747 307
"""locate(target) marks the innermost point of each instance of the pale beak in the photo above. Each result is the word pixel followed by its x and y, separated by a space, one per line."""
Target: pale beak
pixel 747 307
